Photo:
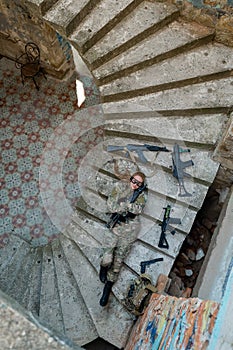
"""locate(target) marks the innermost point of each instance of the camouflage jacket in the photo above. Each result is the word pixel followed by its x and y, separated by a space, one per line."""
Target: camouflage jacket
pixel 119 199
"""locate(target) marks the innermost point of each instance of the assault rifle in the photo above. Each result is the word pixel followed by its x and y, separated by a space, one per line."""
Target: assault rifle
pixel 122 217
pixel 178 168
pixel 144 264
pixel 163 243
pixel 139 149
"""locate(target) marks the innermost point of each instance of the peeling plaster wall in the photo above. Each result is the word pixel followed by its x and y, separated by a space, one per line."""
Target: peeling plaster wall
pixel 19 25
pixel 174 324
pixel 217 14
pixel 224 151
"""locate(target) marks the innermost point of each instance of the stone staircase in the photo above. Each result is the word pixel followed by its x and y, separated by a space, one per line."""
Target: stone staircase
pixel 163 81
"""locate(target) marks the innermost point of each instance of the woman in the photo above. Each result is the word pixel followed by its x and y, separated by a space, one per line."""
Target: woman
pixel 126 202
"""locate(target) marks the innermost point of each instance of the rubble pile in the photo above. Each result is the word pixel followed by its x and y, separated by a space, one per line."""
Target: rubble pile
pixel 188 263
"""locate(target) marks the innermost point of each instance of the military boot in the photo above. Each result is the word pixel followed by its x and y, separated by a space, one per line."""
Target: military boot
pixel 103 273
pixel 106 293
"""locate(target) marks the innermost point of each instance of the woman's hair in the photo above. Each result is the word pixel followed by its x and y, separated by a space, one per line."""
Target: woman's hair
pixel 126 175
pixel 142 175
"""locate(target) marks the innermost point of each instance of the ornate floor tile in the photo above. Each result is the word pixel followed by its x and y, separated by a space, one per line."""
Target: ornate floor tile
pixel 43 137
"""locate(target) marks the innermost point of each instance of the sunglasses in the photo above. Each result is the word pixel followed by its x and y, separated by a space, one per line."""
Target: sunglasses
pixel 135 182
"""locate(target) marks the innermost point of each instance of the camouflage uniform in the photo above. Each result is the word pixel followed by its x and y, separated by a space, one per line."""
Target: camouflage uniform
pixel 125 233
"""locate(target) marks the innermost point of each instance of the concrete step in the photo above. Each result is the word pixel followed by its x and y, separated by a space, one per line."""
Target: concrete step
pixel 141 252
pixel 180 98
pixel 65 15
pixel 42 6
pixel 167 186
pixel 204 168
pixel 113 323
pixel 153 215
pixel 151 231
pixel 12 269
pixel 78 324
pixel 176 38
pixel 147 18
pixel 9 250
pixel 18 290
pixel 168 130
pixel 194 66
pixel 153 210
pixel 93 29
pixel 144 251
pixel 92 241
pixel 34 287
pixel 50 303
pixel 89 237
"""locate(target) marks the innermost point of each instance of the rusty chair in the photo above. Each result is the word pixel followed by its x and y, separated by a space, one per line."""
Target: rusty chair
pixel 29 63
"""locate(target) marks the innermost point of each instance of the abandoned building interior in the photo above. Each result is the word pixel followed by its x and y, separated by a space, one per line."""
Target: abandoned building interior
pixel 86 85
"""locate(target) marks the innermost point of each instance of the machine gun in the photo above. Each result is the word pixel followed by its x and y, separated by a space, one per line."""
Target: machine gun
pixel 178 168
pixel 144 264
pixel 163 243
pixel 139 149
pixel 122 217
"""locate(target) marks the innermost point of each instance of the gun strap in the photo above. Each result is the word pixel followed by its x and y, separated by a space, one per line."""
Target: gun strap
pixel 116 217
pixel 137 192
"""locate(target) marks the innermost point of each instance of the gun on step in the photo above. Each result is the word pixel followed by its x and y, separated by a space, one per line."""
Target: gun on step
pixel 144 264
pixel 165 226
pixel 178 168
pixel 139 149
pixel 117 217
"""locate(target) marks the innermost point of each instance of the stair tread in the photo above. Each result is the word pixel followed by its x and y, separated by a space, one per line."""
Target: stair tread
pixel 179 34
pixel 149 232
pixel 64 11
pixel 93 249
pixel 205 131
pixel 113 322
pixel 145 16
pixel 194 64
pixel 42 5
pixel 50 307
pixel 156 203
pixel 13 267
pixel 22 280
pixel 34 287
pixel 91 25
pixel 204 167
pixel 9 250
pixel 180 98
pixel 168 186
pixel 139 252
pixel 77 321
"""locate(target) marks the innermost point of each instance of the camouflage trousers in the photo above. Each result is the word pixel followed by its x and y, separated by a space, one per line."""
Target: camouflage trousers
pixel 123 236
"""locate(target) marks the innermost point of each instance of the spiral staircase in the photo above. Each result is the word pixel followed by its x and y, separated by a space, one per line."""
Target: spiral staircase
pixel 163 80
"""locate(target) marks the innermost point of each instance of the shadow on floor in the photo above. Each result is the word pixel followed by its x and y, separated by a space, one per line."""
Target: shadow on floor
pixel 100 344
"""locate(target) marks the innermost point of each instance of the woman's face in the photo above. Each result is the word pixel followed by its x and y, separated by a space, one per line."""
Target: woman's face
pixel 136 182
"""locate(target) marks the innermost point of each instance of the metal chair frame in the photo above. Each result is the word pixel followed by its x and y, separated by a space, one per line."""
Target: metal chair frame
pixel 29 63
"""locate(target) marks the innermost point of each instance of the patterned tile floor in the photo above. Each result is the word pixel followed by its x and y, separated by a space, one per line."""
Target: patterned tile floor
pixel 44 136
